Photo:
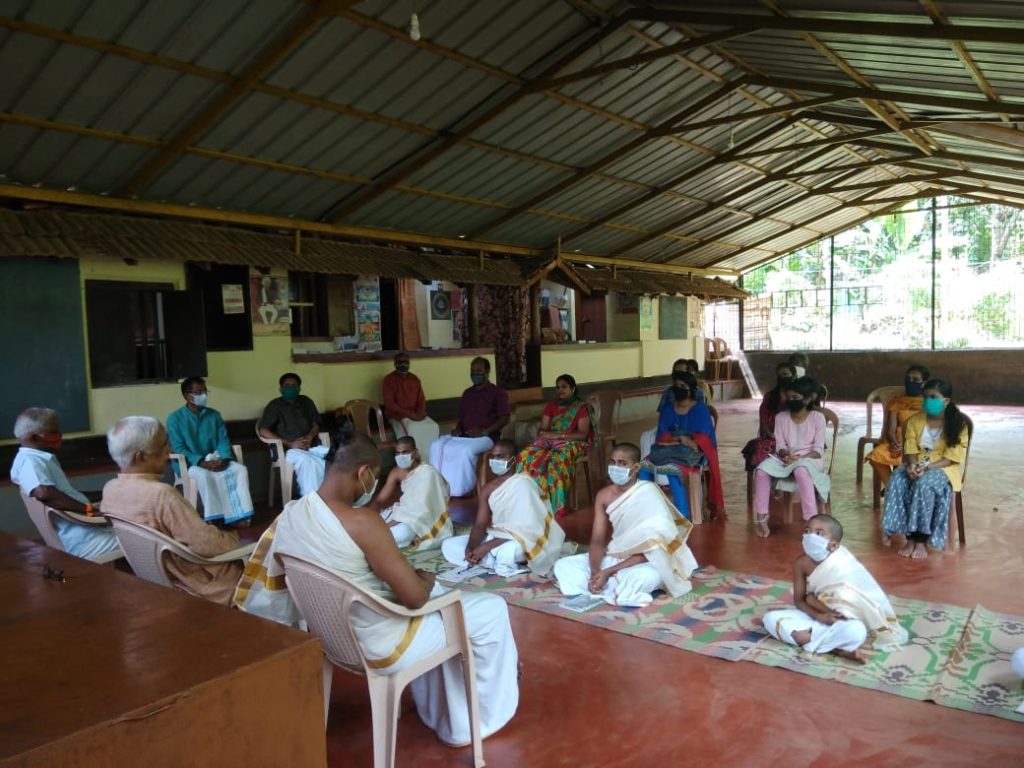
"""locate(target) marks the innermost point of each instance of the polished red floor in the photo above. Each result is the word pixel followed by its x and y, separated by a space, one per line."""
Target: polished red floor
pixel 590 697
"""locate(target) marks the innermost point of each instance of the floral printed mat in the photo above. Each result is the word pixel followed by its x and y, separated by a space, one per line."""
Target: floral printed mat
pixel 956 657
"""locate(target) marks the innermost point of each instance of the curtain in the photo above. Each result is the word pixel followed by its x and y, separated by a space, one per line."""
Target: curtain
pixel 409 322
pixel 504 324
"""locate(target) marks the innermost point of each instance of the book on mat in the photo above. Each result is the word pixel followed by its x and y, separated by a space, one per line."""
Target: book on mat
pixel 581 603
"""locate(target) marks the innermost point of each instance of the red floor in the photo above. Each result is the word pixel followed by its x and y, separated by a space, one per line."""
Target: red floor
pixel 591 697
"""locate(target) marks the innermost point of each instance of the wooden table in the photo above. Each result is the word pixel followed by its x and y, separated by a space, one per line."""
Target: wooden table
pixel 105 669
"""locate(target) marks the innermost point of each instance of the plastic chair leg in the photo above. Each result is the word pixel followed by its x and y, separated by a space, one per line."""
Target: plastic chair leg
pixel 876 490
pixel 695 497
pixel 328 682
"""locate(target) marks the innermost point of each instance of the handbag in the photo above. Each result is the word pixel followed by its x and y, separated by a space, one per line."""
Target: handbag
pixel 674 453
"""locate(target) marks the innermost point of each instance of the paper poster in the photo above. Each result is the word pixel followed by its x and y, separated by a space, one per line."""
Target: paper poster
pixel 440 306
pixel 270 313
pixel 232 299
pixel 367 293
pixel 646 313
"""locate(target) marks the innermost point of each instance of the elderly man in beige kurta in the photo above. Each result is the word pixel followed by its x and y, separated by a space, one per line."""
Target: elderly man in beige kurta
pixel 139 446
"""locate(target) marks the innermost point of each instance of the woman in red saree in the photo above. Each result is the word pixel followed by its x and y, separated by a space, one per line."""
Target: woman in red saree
pixel 565 435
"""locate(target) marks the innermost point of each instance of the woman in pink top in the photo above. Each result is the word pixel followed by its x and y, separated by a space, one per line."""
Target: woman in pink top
pixel 799 449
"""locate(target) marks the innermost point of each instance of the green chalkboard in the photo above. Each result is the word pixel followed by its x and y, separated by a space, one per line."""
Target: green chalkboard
pixel 671 317
pixel 41 341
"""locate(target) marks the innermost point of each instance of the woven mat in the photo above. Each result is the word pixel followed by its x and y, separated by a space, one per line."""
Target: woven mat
pixel 956 657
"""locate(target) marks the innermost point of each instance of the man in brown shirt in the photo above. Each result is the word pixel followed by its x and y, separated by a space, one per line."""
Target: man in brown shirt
pixel 139 446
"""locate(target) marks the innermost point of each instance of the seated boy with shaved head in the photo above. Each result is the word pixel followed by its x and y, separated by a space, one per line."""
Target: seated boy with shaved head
pixel 414 500
pixel 514 527
pixel 837 602
pixel 647 550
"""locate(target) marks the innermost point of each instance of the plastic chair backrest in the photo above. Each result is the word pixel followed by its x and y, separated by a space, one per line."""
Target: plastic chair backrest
pixel 144 549
pixel 832 418
pixel 967 453
pixel 884 396
pixel 325 600
pixel 607 403
pixel 39 514
pixel 714 416
pixel 359 411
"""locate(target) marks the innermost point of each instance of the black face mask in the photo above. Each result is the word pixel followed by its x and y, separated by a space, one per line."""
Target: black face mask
pixel 913 388
pixel 402 367
pixel 680 393
pixel 783 381
pixel 795 406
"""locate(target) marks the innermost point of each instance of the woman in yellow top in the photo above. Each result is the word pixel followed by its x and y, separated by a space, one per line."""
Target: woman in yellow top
pixel 888 453
pixel 919 492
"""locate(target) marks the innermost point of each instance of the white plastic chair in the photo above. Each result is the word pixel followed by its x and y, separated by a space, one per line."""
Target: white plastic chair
pixel 284 468
pixel 40 515
pixel 183 482
pixel 788 485
pixel 325 599
pixel 144 550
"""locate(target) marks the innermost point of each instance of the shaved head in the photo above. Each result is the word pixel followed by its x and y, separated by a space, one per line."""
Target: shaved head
pixel 835 528
pixel 628 451
pixel 350 450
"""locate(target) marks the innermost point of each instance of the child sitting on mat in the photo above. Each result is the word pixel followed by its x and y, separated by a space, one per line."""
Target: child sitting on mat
pixel 837 602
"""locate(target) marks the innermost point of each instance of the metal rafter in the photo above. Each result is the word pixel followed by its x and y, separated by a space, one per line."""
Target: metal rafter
pixel 264 61
pixel 724 157
pixel 431 153
pixel 650 135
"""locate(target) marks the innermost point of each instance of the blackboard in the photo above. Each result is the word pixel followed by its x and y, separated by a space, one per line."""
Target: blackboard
pixel 42 341
pixel 671 317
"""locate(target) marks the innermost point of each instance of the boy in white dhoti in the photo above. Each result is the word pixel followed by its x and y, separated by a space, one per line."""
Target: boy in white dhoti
pixel 198 433
pixel 647 550
pixel 414 500
pixel 333 529
pixel 837 602
pixel 294 420
pixel 514 530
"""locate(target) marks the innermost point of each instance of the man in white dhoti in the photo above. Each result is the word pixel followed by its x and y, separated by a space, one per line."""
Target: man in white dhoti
pixel 406 406
pixel 837 602
pixel 332 528
pixel 294 419
pixel 515 529
pixel 647 550
pixel 414 500
pixel 483 411
pixel 197 432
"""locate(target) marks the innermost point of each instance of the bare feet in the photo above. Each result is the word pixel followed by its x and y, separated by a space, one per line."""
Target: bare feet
pixel 920 551
pixel 761 526
pixel 242 523
pixel 858 655
pixel 886 540
pixel 907 550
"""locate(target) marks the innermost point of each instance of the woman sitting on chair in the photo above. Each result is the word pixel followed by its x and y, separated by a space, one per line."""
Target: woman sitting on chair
pixel 887 455
pixel 565 436
pixel 686 443
pixel 773 403
pixel 799 453
pixel 919 491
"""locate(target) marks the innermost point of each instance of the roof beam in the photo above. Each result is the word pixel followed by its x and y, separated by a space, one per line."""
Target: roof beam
pixel 725 157
pixel 631 146
pixel 843 138
pixel 992 106
pixel 734 195
pixel 907 31
pixel 876 163
pixel 263 221
pixel 755 114
pixel 963 157
pixel 431 153
pixel 643 58
pixel 880 185
pixel 269 57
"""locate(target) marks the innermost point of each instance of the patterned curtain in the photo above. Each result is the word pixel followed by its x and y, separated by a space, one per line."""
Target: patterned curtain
pixel 505 325
pixel 409 322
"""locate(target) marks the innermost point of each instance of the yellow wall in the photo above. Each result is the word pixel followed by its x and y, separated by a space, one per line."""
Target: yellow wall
pixel 590 362
pixel 241 383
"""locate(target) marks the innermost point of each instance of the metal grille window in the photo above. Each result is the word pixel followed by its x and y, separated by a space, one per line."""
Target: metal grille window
pixel 942 273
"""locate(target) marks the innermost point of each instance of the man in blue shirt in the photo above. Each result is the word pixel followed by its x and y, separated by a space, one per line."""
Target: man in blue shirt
pixel 198 433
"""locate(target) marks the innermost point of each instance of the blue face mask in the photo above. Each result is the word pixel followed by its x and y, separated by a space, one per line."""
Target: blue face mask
pixel 913 388
pixel 478 378
pixel 934 406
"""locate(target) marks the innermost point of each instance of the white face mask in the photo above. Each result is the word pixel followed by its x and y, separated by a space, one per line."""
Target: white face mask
pixel 816 547
pixel 500 466
pixel 367 494
pixel 403 460
pixel 619 475
pixel 198 400
pixel 800 370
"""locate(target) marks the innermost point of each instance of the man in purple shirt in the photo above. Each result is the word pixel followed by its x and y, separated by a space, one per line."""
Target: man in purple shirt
pixel 483 411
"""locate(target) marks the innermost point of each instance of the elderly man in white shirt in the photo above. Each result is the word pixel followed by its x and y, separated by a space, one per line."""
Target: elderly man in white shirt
pixel 38 473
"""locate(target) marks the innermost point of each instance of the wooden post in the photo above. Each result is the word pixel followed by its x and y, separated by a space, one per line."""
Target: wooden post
pixel 535 312
pixel 474 317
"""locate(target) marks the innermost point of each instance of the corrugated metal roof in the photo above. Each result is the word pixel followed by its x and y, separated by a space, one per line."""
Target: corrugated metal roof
pixel 357 123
